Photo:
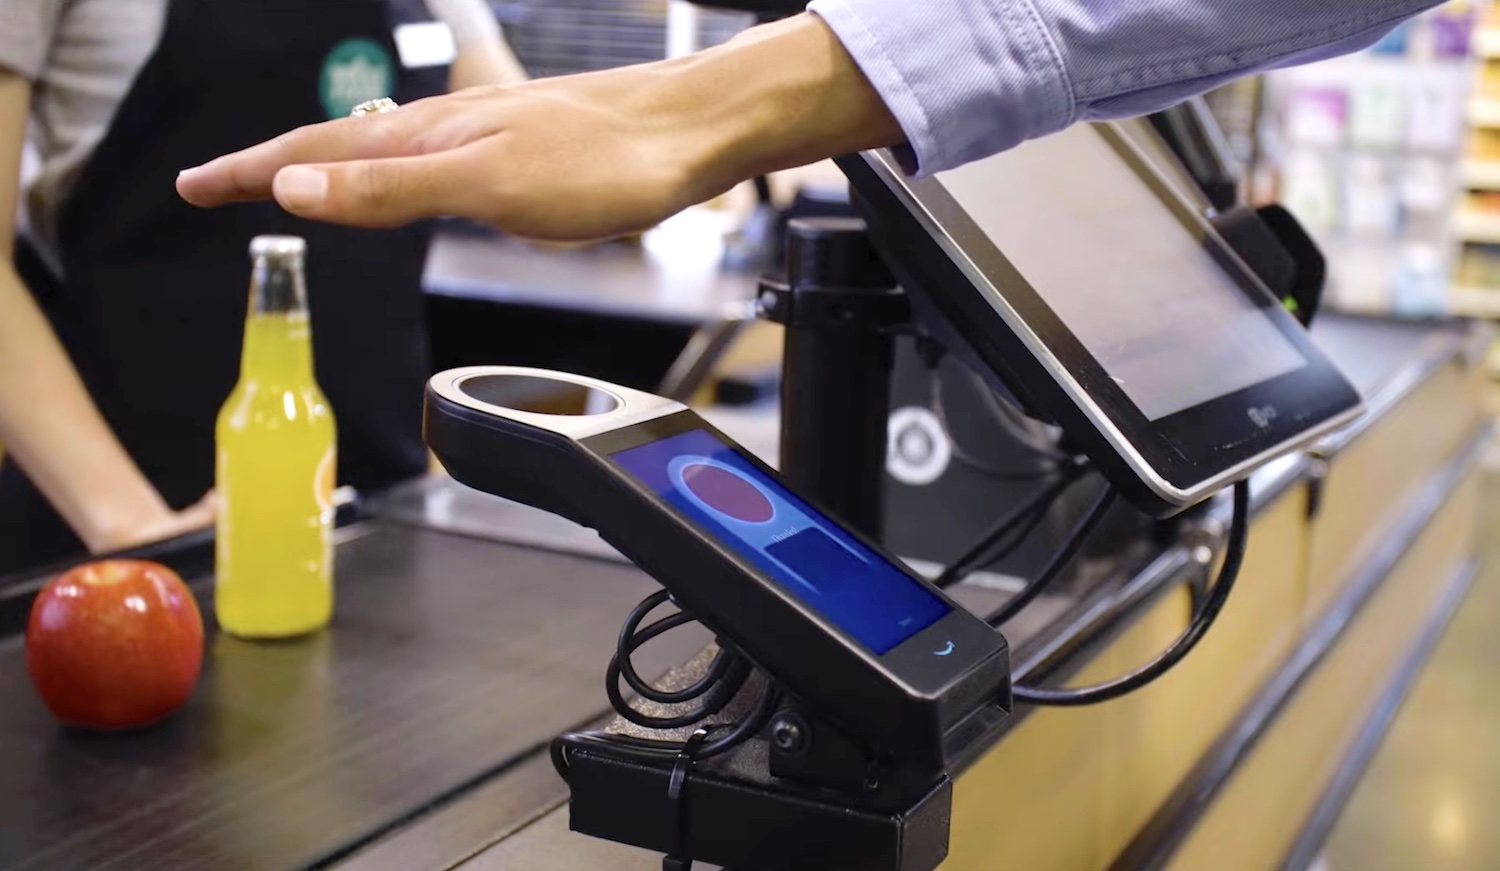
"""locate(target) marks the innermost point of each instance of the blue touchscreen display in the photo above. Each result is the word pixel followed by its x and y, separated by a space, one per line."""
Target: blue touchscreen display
pixel 805 552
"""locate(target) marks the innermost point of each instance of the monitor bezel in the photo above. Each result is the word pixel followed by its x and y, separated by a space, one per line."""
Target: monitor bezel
pixel 938 251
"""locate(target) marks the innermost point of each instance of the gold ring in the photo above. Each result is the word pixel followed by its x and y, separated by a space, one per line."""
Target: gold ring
pixel 374 107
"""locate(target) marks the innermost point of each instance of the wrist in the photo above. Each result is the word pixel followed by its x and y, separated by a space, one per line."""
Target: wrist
pixel 777 96
pixel 119 521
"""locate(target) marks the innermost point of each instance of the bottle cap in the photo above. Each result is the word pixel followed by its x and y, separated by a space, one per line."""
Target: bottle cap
pixel 278 246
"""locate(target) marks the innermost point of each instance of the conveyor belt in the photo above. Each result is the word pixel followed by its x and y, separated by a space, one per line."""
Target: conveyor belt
pixel 450 659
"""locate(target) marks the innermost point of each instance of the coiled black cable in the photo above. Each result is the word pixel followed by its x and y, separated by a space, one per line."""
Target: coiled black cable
pixel 725 678
pixel 718 687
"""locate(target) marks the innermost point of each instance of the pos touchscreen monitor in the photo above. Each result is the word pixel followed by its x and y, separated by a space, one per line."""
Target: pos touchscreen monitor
pixel 1073 273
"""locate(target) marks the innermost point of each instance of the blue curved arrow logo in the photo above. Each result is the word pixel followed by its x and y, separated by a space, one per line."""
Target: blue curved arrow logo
pixel 946 651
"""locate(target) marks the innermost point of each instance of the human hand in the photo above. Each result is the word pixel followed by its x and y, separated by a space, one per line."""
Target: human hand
pixel 158 526
pixel 574 158
pixel 565 159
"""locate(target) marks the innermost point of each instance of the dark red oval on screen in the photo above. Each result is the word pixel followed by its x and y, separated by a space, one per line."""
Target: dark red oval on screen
pixel 728 493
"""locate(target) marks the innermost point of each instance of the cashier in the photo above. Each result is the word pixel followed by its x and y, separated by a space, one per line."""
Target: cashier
pixel 120 323
pixel 947 81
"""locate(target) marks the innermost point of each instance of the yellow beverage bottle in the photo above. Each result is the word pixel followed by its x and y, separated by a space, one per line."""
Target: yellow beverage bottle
pixel 275 464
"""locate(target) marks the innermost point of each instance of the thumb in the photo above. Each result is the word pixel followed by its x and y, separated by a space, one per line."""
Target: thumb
pixel 387 192
pixel 201 513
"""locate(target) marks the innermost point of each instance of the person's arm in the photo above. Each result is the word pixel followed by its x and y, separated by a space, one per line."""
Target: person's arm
pixel 608 153
pixel 579 157
pixel 48 422
pixel 970 78
pixel 483 55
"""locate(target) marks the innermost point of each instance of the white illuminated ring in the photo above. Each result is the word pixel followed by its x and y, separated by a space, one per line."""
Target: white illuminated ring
pixel 918 450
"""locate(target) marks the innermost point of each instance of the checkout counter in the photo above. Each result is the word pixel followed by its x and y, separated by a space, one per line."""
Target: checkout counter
pixel 413 735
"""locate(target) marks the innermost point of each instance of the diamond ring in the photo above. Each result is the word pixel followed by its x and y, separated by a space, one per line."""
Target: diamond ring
pixel 374 107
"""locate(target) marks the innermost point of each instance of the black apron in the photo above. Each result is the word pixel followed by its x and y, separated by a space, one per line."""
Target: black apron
pixel 151 306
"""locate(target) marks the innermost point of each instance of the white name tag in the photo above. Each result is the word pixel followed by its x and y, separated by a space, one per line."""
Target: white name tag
pixel 429 44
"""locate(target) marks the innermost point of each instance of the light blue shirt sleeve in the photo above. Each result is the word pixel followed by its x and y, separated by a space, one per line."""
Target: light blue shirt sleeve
pixel 970 78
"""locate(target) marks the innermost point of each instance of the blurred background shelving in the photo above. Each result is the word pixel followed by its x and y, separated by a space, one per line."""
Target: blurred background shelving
pixel 1382 154
pixel 1391 158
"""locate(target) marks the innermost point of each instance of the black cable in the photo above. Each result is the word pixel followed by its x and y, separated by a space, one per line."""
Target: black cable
pixel 1022 535
pixel 716 694
pixel 630 639
pixel 666 752
pixel 1234 558
pixel 724 680
pixel 1060 560
pixel 1047 455
pixel 1022 520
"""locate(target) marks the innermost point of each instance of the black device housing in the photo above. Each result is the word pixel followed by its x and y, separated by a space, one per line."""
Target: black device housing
pixel 903 704
pixel 1186 448
pixel 732 813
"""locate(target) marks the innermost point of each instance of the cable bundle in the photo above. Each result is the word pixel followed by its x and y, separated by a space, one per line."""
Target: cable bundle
pixel 723 681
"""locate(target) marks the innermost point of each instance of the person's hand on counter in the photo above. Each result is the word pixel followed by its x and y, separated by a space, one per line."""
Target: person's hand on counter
pixel 578 157
pixel 157 525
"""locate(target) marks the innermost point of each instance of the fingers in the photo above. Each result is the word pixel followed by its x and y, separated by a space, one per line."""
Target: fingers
pixel 200 514
pixel 247 174
pixel 391 191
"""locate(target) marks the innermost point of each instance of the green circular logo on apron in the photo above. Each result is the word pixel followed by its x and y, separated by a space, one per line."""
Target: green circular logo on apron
pixel 355 71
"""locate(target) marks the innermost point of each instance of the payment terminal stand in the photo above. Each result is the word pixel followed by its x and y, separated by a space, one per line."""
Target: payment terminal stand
pixel 810 782
pixel 801 740
pixel 813 783
pixel 842 310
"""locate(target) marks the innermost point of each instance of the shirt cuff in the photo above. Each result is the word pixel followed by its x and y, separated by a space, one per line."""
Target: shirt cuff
pixel 963 78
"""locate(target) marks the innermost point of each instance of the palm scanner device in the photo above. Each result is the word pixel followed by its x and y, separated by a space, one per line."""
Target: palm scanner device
pixel 847 629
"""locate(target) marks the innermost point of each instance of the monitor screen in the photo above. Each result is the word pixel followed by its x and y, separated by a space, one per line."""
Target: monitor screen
pixel 804 552
pixel 1146 297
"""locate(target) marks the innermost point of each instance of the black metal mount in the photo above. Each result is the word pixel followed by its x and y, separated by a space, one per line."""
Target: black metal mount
pixel 800 796
pixel 733 812
pixel 842 310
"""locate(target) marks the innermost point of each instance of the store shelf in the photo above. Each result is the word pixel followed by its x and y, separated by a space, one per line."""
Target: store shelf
pixel 1475 302
pixel 1485 112
pixel 1487 43
pixel 1477 227
pixel 1482 175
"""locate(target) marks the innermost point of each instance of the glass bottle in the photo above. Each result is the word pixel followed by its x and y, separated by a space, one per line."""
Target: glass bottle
pixel 275 464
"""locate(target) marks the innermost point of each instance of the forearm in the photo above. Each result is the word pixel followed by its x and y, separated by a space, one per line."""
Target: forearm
pixel 968 78
pixel 778 96
pixel 50 426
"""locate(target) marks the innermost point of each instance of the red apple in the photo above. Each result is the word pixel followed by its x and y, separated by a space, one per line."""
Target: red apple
pixel 115 644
